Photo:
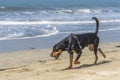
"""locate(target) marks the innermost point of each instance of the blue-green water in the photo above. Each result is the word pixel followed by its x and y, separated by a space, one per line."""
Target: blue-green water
pixel 43 18
pixel 59 3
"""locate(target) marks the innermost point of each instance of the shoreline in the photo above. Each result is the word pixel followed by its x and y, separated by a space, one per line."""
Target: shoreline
pixel 37 64
pixel 48 42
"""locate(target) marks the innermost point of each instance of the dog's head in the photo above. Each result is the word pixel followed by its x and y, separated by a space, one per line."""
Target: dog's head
pixel 59 48
pixel 57 51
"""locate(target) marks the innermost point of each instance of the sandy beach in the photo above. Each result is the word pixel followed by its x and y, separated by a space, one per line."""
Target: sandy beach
pixel 36 64
pixel 30 28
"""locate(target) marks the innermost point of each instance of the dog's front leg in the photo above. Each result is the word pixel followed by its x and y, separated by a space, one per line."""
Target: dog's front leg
pixel 76 60
pixel 71 60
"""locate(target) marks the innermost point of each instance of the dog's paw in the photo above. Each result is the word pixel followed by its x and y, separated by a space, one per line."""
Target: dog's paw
pixel 77 62
pixel 69 67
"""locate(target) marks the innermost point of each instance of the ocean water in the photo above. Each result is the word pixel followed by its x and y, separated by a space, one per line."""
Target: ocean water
pixel 21 19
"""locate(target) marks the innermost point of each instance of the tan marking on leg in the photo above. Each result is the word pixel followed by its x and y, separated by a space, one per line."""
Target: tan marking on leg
pixel 90 46
pixel 73 51
pixel 100 50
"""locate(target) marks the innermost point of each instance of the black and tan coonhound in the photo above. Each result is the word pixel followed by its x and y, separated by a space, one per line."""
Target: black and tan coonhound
pixel 75 43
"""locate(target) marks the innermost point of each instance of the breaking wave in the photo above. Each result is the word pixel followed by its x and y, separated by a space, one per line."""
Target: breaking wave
pixel 22 32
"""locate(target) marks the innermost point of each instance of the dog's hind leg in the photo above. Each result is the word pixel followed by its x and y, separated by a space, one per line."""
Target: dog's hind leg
pixel 100 50
pixel 90 46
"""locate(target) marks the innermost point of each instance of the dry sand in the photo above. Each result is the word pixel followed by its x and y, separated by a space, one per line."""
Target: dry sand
pixel 38 65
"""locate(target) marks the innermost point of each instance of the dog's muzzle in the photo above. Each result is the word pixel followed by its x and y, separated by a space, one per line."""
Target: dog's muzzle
pixel 54 54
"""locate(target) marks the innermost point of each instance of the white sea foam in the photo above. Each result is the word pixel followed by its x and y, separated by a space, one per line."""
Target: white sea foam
pixel 84 10
pixel 29 13
pixel 24 32
pixel 54 32
pixel 10 38
pixel 111 29
pixel 2 7
pixel 52 22
pixel 89 31
pixel 41 22
pixel 49 32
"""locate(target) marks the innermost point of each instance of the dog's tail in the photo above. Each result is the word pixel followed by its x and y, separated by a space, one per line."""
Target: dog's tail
pixel 97 24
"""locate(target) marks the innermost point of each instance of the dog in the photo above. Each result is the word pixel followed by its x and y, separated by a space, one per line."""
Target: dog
pixel 75 43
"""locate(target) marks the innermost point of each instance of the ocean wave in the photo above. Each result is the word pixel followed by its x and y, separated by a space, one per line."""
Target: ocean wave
pixel 72 11
pixel 59 14
pixel 63 10
pixel 3 8
pixel 105 10
pixel 29 12
pixel 41 22
pixel 22 32
pixel 88 31
pixel 88 10
pixel 110 29
pixel 53 22
pixel 84 10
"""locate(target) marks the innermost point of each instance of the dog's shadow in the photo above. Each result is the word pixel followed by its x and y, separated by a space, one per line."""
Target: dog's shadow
pixel 90 65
